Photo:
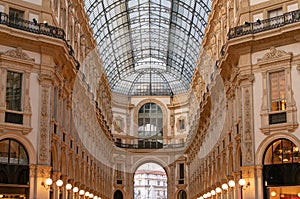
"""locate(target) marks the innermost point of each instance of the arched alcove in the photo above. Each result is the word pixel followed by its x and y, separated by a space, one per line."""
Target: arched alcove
pixel 182 195
pixel 118 194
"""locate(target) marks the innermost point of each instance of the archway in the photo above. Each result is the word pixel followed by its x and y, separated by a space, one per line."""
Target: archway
pixel 118 194
pixel 182 195
pixel 281 170
pixel 150 182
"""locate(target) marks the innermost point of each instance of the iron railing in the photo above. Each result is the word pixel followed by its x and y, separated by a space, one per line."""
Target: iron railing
pixel 149 145
pixel 38 28
pixel 263 25
pixel 32 26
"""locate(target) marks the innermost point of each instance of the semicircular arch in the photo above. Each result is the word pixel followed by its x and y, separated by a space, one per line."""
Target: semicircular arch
pixel 25 142
pixel 268 140
pixel 163 108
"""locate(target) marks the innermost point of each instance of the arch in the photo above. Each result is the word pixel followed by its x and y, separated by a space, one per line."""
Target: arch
pixel 118 194
pixel 63 162
pixel 54 158
pixel 163 108
pixel 268 140
pixel 25 142
pixel 71 168
pixel 150 159
pixel 182 194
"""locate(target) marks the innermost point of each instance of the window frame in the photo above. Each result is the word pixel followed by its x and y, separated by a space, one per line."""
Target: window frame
pixel 270 100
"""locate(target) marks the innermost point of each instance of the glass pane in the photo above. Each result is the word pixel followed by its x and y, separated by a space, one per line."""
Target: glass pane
pixel 296 154
pixel 287 151
pixel 14 152
pixel 277 154
pixel 4 145
pixel 13 91
pixel 23 159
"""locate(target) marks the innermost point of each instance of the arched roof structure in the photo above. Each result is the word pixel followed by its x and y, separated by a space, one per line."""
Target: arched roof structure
pixel 148 47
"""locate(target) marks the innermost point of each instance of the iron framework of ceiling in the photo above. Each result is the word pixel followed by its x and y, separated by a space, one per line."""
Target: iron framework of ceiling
pixel 148 47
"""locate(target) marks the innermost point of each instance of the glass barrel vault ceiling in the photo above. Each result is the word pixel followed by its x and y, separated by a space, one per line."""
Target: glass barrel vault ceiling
pixel 148 47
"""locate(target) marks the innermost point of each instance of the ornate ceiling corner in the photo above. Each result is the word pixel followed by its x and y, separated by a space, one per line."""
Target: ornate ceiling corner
pixel 17 53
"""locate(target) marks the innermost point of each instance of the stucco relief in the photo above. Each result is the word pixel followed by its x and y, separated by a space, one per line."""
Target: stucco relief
pixel 248 125
pixel 17 53
pixel 44 127
pixel 274 53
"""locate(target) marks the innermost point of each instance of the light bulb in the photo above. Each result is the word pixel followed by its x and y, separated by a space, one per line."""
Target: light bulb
pixel 231 183
pixel 75 189
pixel 81 192
pixel 218 190
pixel 273 193
pixel 224 186
pixel 213 192
pixel 59 183
pixel 87 193
pixel 208 194
pixel 49 181
pixel 242 182
pixel 68 186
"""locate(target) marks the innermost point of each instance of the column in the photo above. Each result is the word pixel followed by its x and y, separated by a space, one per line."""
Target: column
pixel 42 173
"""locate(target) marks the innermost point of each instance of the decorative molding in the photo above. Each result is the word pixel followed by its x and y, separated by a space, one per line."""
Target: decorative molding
pixel 273 54
pixel 248 125
pixel 44 127
pixel 17 53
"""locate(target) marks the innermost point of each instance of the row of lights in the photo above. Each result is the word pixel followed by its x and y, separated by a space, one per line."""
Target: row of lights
pixel 59 184
pixel 225 186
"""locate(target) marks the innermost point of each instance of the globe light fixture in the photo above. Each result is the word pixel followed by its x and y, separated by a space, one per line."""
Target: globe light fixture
pixel 224 186
pixel 68 186
pixel 231 183
pixel 75 189
pixel 218 190
pixel 59 183
pixel 81 192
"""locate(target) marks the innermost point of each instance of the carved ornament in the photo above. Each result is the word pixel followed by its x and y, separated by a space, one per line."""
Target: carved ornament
pixel 17 53
pixel 273 54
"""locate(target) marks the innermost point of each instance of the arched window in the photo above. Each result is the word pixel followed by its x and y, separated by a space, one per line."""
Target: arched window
pixel 182 194
pixel 118 195
pixel 12 152
pixel 14 168
pixel 281 169
pixel 150 122
pixel 281 151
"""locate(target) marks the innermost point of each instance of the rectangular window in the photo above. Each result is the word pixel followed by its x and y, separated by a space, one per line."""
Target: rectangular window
pixel 181 171
pixel 15 15
pixel 14 91
pixel 181 124
pixel 119 169
pixel 275 13
pixel 277 91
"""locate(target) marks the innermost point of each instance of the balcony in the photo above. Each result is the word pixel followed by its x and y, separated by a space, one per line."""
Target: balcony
pixel 146 144
pixel 264 25
pixel 38 28
pixel 33 26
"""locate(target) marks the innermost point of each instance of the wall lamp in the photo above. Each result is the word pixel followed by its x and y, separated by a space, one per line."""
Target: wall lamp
pixel 81 192
pixel 243 183
pixel 47 183
pixel 59 183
